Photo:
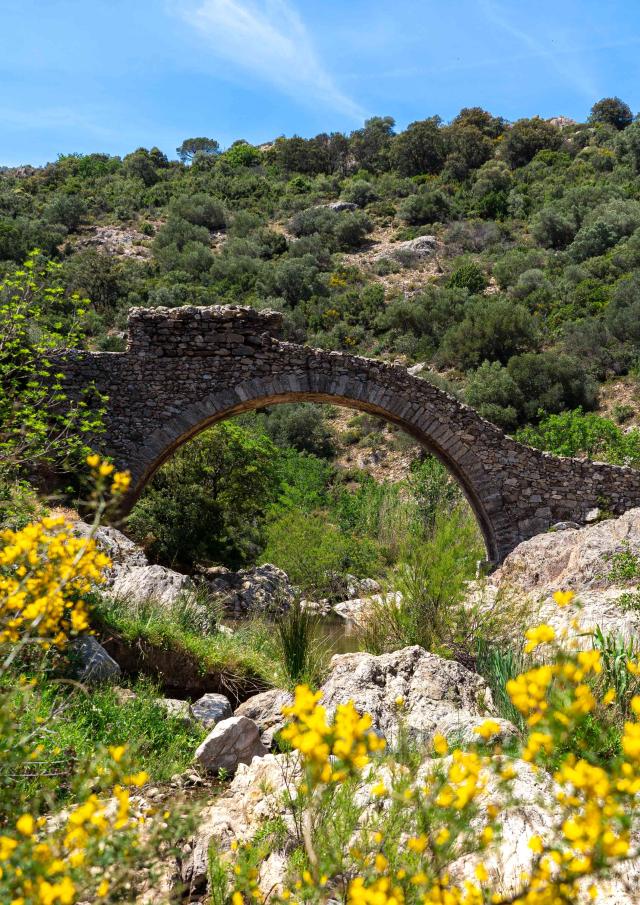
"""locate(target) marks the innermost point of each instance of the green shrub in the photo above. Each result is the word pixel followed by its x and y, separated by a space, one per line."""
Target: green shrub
pixel 468 275
pixel 316 554
pixel 576 433
pixel 208 502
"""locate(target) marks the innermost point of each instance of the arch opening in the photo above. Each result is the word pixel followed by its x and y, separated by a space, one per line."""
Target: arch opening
pixel 177 435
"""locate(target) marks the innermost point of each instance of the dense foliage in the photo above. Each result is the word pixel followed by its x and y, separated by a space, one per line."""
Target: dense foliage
pixel 537 272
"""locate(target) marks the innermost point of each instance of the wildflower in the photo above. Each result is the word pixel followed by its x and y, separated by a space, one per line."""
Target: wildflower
pixel 440 744
pixel 26 825
pixel 487 729
pixel 541 634
pixel 564 598
pixel 121 482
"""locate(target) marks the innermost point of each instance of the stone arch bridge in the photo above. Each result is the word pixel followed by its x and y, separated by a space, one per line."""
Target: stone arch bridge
pixel 186 368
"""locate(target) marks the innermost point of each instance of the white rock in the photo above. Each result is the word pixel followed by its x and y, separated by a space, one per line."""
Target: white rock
pixel 430 687
pixel 233 741
pixel 141 583
pixel 265 709
pixel 256 794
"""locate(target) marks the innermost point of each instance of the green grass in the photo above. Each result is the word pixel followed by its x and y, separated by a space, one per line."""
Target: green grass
pixel 248 656
pixel 80 723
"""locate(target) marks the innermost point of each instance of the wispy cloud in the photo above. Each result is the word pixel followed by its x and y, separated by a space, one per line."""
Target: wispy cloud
pixel 557 52
pixel 268 38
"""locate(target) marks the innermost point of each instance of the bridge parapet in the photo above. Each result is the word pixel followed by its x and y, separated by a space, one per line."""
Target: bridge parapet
pixel 192 331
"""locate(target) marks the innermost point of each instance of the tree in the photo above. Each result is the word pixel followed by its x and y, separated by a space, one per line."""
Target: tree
pixel 528 136
pixel 495 394
pixel 550 382
pixel 370 145
pixel 192 146
pixel 468 148
pixel 206 503
pixel 492 329
pixel 612 112
pixel 491 126
pixel 66 209
pixel 420 148
pixel 40 426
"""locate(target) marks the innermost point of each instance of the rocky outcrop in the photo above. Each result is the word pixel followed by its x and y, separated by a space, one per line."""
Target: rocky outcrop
pixel 255 795
pixel 425 693
pixel 130 574
pixel 260 589
pixel 157 583
pixel 412 250
pixel 575 559
pixel 231 742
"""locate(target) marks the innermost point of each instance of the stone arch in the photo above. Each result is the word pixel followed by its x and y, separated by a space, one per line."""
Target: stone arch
pixel 186 368
pixel 463 464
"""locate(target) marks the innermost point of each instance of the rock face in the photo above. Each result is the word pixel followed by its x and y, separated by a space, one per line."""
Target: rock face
pixel 140 583
pixel 94 665
pixel 131 575
pixel 260 589
pixel 255 794
pixel 357 609
pixel 265 710
pixel 232 741
pixel 211 709
pixel 438 695
pixel 570 559
pixel 577 559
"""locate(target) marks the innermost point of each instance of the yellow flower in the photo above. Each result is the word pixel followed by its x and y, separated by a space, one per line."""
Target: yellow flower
pixel 440 744
pixel 486 835
pixel 535 844
pixel 481 873
pixel 541 634
pixel 117 752
pixel 564 598
pixel 26 825
pixel 93 460
pixel 103 889
pixel 487 729
pixel 417 843
pixel 379 790
pixel 121 482
pixel 442 836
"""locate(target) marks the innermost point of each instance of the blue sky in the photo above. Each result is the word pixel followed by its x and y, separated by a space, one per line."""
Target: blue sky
pixel 113 75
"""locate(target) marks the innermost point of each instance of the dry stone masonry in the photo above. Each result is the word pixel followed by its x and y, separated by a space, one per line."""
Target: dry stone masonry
pixel 186 368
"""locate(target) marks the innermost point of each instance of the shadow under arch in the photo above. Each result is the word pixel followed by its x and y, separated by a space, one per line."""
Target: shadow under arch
pixel 471 476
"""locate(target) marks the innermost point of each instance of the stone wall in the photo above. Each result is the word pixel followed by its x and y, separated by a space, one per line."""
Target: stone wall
pixel 186 368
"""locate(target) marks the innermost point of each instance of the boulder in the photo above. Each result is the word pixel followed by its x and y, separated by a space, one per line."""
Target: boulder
pixel 412 250
pixel 265 709
pixel 260 589
pixel 340 206
pixel 178 710
pixel 356 610
pixel 157 583
pixel 211 709
pixel 233 741
pixel 424 692
pixel 93 664
pixel 361 587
